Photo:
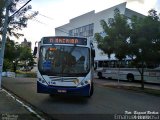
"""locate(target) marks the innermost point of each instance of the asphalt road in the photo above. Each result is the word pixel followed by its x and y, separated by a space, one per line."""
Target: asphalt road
pixel 104 104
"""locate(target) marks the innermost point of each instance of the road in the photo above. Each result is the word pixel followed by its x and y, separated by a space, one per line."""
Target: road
pixel 104 104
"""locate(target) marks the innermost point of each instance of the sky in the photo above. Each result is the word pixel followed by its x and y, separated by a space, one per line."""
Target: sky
pixel 54 13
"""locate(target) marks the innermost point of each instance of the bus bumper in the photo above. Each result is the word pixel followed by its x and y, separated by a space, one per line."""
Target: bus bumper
pixel 58 90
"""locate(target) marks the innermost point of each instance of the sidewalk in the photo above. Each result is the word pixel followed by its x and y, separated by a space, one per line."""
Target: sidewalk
pixel 115 83
pixel 13 109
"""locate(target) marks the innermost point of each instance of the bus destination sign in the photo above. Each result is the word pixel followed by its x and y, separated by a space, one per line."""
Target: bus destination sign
pixel 65 40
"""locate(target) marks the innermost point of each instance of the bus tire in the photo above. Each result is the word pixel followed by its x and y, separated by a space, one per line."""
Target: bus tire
pixel 130 77
pixel 91 91
pixel 99 75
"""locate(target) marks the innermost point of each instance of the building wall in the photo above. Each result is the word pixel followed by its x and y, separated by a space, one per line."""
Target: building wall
pixel 77 22
pixel 94 18
pixel 105 15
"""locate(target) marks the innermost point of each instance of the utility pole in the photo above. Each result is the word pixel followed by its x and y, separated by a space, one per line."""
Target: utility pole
pixel 8 2
pixel 4 39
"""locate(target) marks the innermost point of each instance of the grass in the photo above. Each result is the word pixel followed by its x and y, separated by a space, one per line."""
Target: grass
pixel 26 74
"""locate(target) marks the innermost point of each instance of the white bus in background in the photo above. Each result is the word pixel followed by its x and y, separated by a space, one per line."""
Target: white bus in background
pixel 65 66
pixel 110 69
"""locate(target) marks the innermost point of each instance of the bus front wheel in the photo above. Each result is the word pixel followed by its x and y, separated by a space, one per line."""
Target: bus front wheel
pixel 130 77
pixel 91 90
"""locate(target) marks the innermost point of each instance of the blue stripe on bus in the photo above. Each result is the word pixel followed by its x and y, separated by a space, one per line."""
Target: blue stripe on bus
pixel 78 91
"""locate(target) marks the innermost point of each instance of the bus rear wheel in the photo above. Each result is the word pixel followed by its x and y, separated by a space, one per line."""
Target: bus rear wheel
pixel 130 77
pixel 99 75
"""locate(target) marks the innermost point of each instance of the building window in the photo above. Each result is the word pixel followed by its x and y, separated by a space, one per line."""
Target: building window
pixel 70 33
pixel 116 11
pixel 84 31
pixel 110 21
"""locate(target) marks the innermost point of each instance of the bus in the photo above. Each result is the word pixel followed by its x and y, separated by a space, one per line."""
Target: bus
pixel 124 70
pixel 65 66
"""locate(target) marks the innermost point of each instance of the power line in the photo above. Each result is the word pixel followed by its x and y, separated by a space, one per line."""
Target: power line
pixel 60 29
pixel 46 16
pixel 39 21
pixel 42 15
pixel 50 18
pixel 20 8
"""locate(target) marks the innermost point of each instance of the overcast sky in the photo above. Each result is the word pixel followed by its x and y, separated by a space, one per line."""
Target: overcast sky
pixel 54 13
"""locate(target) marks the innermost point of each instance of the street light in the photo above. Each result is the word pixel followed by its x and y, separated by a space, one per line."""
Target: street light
pixel 14 66
pixel 141 69
pixel 140 53
pixel 140 50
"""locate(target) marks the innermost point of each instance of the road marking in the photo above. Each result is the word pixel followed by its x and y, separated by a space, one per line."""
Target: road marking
pixel 24 105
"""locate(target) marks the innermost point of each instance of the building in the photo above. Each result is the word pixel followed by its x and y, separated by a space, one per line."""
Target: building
pixel 88 24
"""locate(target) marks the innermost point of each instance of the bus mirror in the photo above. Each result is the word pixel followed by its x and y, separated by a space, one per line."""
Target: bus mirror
pixel 93 53
pixel 35 51
pixel 95 66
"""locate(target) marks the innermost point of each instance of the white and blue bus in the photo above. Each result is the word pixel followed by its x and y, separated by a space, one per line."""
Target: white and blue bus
pixel 65 66
pixel 124 70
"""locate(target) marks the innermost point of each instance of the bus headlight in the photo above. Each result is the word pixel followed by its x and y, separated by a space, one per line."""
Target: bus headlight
pixel 82 83
pixel 41 80
pixel 85 82
pixel 88 81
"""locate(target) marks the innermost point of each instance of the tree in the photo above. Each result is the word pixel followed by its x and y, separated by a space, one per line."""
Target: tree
pixel 144 42
pixel 139 40
pixel 9 55
pixel 25 56
pixel 117 33
pixel 16 21
pixel 15 54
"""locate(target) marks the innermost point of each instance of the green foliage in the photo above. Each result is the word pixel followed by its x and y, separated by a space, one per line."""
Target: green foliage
pixel 26 74
pixel 25 56
pixel 9 51
pixel 104 44
pixel 146 37
pixel 7 66
pixel 139 39
pixel 17 55
pixel 17 21
pixel 117 33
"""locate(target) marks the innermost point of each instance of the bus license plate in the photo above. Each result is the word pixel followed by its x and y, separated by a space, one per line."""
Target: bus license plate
pixel 62 91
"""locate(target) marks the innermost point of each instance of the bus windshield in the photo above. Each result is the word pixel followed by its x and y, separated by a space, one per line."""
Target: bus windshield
pixel 64 60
